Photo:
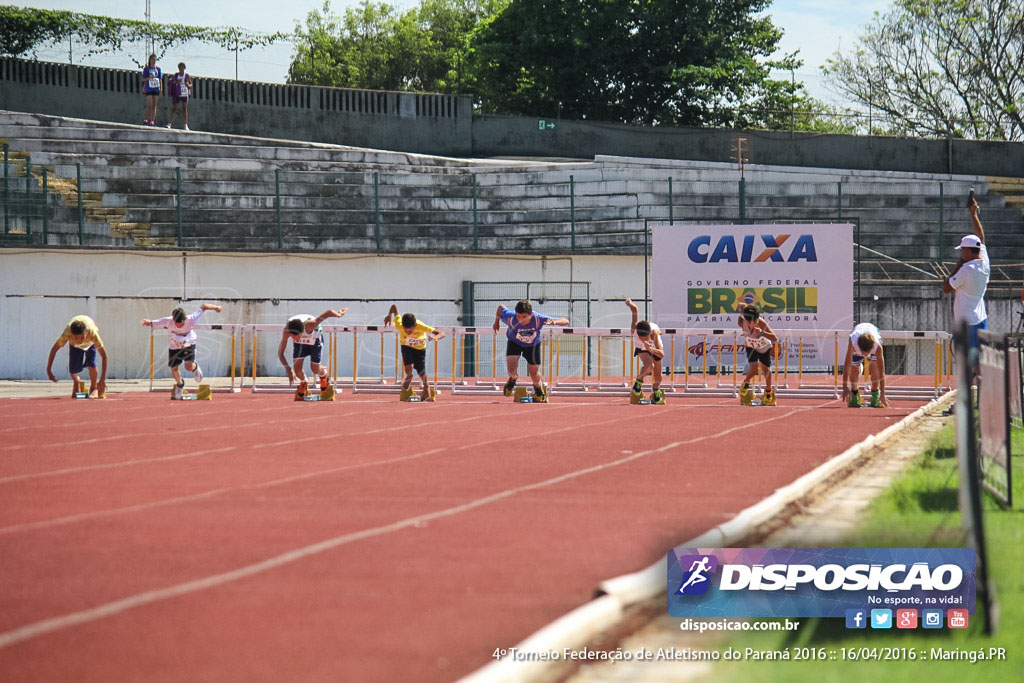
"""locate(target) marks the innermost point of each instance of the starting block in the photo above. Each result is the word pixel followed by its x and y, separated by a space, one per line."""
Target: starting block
pixel 524 395
pixel 410 397
pixel 80 391
pixel 303 394
pixel 203 393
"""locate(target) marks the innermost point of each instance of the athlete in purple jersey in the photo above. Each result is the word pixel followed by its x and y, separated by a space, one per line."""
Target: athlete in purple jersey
pixel 523 334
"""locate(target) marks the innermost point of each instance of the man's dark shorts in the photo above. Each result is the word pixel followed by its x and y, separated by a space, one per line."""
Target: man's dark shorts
pixel 417 358
pixel 531 354
pixel 176 357
pixel 78 359
pixel 762 357
pixel 311 351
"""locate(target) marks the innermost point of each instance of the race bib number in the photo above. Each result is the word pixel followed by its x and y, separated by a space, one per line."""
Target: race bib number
pixel 759 344
pixel 154 83
pixel 526 336
pixel 184 91
pixel 417 342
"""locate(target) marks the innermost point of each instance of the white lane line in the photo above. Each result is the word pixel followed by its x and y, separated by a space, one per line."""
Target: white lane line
pixel 146 434
pixel 84 516
pixel 45 626
pixel 42 524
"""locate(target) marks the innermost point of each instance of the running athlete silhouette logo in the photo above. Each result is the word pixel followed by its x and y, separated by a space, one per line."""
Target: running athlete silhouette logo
pixel 696 579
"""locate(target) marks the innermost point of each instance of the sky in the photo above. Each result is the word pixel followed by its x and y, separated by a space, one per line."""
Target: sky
pixel 817 28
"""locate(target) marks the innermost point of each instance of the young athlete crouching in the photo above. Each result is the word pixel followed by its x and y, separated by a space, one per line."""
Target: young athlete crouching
pixel 523 333
pixel 865 343
pixel 758 340
pixel 648 348
pixel 182 342
pixel 306 335
pixel 413 336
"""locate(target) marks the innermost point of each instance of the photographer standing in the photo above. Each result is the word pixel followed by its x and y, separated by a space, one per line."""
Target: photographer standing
pixel 969 280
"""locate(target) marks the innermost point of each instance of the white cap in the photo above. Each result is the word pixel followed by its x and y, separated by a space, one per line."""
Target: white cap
pixel 971 241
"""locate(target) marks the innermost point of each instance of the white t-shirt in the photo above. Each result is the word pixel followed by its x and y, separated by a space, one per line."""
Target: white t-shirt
pixel 180 337
pixel 970 283
pixel 638 341
pixel 865 328
pixel 304 337
pixel 758 343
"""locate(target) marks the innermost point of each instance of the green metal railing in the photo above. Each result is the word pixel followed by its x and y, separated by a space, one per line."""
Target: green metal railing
pixel 377 211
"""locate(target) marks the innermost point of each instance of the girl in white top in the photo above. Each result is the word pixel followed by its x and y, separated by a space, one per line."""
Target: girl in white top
pixel 865 342
pixel 758 338
pixel 182 342
pixel 647 346
pixel 307 337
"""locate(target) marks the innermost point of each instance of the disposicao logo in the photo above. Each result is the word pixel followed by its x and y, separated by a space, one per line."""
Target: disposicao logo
pixel 696 580
pixel 745 582
pixel 769 248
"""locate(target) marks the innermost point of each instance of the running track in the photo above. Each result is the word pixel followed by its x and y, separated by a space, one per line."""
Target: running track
pixel 255 538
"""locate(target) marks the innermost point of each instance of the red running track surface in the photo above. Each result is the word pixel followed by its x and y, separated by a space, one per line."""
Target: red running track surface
pixel 256 538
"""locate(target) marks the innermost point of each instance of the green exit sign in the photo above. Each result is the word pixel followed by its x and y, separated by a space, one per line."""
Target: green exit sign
pixel 545 125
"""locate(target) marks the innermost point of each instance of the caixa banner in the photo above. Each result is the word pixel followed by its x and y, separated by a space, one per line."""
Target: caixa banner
pixel 800 275
pixel 817 582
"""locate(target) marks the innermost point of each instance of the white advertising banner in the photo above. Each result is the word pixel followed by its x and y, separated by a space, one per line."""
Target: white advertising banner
pixel 800 275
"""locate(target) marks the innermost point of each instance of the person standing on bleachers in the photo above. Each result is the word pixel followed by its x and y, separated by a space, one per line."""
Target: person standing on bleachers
pixel 179 85
pixel 152 86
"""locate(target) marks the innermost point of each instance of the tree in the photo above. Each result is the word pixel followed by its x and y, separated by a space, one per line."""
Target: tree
pixel 374 46
pixel 23 29
pixel 682 62
pixel 940 68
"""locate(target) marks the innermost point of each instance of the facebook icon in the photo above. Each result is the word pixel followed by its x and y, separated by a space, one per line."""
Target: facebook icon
pixel 856 618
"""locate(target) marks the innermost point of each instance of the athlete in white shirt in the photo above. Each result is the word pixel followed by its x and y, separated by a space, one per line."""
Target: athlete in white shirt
pixel 865 343
pixel 182 342
pixel 648 348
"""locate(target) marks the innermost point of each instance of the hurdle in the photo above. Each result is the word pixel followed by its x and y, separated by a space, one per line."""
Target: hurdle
pixel 800 352
pixel 583 361
pixel 237 344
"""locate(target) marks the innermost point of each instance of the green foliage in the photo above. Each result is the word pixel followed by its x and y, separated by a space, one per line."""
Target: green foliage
pixel 940 68
pixel 681 62
pixel 23 29
pixel 373 45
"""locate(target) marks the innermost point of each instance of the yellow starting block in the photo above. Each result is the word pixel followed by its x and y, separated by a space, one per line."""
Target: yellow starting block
pixel 203 393
pixel 304 394
pixel 409 396
pixel 524 395
pixel 82 393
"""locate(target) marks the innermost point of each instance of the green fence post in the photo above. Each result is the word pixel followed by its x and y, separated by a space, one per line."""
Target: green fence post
pixel 277 206
pixel 476 224
pixel 177 183
pixel 839 204
pixel 743 199
pixel 942 237
pixel 46 212
pixel 28 195
pixel 81 211
pixel 572 211
pixel 670 216
pixel 7 210
pixel 376 207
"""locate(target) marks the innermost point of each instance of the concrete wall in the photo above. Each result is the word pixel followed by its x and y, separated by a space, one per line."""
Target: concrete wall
pixel 423 123
pixel 511 135
pixel 41 290
pixel 444 125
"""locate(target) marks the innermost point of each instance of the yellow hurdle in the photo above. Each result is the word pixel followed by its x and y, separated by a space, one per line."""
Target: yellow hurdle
pixel 835 365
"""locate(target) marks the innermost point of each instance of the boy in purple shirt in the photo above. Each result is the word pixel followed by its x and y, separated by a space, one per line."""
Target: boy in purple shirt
pixel 523 334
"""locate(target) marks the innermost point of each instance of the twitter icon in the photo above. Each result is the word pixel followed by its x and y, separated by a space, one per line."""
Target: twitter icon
pixel 881 618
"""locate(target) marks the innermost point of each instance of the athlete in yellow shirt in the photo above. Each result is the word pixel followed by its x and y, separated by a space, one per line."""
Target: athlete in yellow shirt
pixel 413 336
pixel 85 343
